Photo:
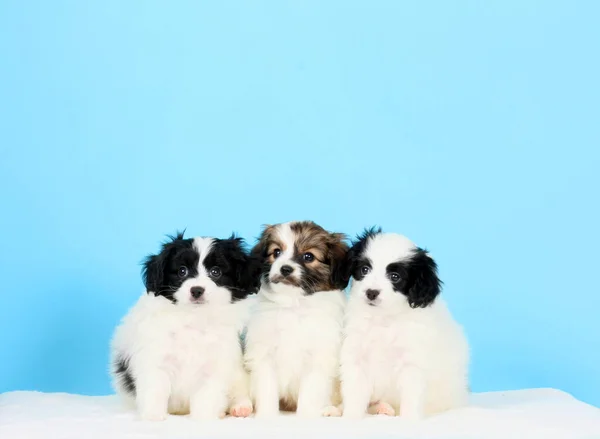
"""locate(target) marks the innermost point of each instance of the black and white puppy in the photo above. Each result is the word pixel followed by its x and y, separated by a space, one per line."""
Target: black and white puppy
pixel 177 351
pixel 403 353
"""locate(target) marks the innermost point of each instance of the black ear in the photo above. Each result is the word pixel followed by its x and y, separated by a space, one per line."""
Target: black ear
pixel 251 274
pixel 338 251
pixel 153 267
pixel 153 271
pixel 245 267
pixel 348 264
pixel 423 284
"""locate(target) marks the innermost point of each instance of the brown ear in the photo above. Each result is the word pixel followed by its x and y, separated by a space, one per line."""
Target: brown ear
pixel 257 265
pixel 337 251
pixel 260 248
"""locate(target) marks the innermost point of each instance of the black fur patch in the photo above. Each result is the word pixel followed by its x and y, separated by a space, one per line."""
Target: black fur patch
pixel 238 269
pixel 161 272
pixel 124 375
pixel 419 279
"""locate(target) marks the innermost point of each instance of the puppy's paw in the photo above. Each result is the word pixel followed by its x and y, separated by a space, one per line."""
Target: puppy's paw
pixel 382 408
pixel 241 410
pixel 331 411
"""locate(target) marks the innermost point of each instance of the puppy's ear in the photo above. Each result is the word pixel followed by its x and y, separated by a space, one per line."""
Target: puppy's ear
pixel 337 253
pixel 153 267
pixel 236 254
pixel 259 251
pixel 153 271
pixel 348 264
pixel 423 284
pixel 247 268
pixel 250 276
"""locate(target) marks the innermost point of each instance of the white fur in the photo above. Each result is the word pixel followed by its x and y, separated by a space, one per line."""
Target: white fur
pixel 287 236
pixel 292 345
pixel 185 357
pixel 396 359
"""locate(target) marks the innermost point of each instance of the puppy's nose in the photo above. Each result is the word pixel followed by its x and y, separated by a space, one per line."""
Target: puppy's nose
pixel 286 270
pixel 196 292
pixel 372 294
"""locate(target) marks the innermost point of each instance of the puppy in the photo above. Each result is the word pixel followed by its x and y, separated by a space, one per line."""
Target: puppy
pixel 403 353
pixel 294 334
pixel 177 351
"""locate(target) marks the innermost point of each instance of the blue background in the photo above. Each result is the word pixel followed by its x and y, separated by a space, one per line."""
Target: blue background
pixel 471 127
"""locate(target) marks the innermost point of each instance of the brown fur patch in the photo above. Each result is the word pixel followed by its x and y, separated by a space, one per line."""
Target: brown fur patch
pixel 324 273
pixel 266 243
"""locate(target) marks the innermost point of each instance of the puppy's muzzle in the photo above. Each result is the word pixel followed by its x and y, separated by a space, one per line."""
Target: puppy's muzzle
pixel 285 276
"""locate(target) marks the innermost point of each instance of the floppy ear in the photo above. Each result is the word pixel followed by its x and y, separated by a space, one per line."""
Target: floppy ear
pixel 251 273
pixel 153 267
pixel 338 251
pixel 153 272
pixel 259 250
pixel 256 264
pixel 347 265
pixel 245 264
pixel 423 282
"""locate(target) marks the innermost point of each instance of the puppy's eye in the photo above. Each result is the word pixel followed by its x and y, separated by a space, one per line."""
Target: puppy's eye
pixel 395 278
pixel 276 253
pixel 308 257
pixel 183 271
pixel 215 272
pixel 365 269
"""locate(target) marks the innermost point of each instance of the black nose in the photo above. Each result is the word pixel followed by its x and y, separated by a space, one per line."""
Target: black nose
pixel 372 294
pixel 196 292
pixel 286 270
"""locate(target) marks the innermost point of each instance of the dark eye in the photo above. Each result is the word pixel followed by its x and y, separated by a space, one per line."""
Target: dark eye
pixel 309 257
pixel 394 277
pixel 183 271
pixel 276 253
pixel 365 269
pixel 215 272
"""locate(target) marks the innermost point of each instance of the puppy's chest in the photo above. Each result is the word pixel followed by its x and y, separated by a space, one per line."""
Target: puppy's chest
pixel 383 345
pixel 298 325
pixel 187 337
pixel 189 345
pixel 293 333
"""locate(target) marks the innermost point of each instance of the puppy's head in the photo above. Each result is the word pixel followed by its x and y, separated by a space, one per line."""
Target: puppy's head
pixel 301 256
pixel 199 271
pixel 388 270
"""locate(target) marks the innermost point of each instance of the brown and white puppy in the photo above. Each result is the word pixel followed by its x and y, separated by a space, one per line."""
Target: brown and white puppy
pixel 294 334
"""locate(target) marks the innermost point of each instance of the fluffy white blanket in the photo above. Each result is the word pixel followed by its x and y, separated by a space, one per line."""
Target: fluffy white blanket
pixel 530 414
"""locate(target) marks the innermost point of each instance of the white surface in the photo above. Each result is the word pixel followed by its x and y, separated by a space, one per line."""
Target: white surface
pixel 540 413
